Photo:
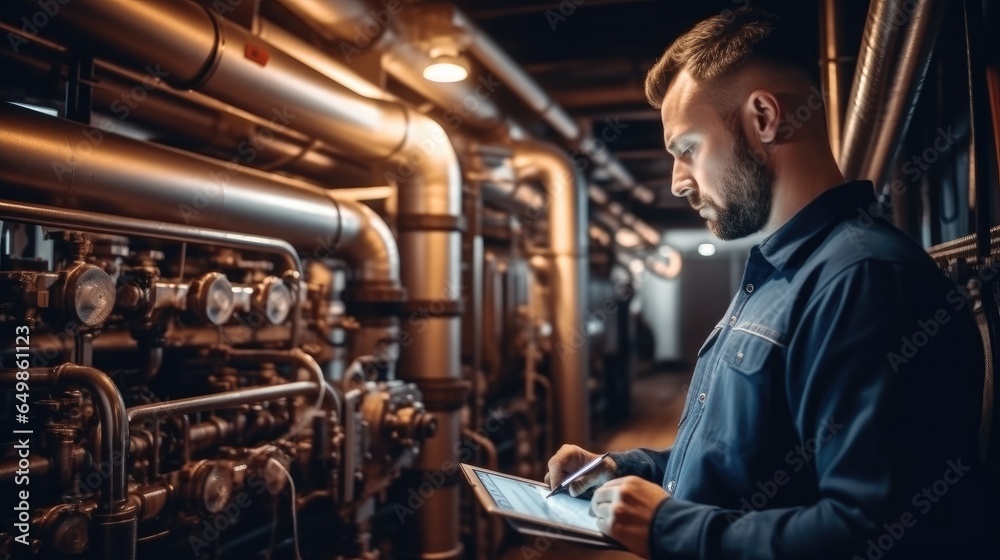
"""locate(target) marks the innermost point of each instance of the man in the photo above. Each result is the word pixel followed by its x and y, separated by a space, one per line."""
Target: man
pixel 834 411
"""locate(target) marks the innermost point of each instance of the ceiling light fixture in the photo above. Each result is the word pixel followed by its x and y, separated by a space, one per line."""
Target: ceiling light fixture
pixel 446 67
pixel 437 34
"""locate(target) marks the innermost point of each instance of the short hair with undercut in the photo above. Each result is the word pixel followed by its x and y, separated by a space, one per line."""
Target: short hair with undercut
pixel 717 47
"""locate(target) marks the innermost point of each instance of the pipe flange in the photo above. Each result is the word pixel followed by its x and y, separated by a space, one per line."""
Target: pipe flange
pixel 430 222
pixel 443 395
pixel 433 308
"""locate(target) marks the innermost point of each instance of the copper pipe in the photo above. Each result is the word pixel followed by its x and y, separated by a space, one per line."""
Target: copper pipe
pixel 567 248
pixel 229 399
pixel 834 73
pixel 891 68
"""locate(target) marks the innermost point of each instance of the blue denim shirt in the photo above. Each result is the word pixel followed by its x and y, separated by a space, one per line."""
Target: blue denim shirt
pixel 834 410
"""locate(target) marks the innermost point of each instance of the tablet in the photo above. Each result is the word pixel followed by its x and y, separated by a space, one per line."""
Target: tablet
pixel 524 500
pixel 526 528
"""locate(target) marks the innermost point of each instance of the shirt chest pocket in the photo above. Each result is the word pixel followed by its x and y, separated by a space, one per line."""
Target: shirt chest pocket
pixel 749 347
pixel 738 406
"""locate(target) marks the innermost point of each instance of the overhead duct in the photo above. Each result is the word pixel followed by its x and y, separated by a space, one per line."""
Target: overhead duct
pixel 565 190
pixel 199 50
pixel 895 52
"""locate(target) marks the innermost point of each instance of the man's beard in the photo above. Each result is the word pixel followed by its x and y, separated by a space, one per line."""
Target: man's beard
pixel 746 189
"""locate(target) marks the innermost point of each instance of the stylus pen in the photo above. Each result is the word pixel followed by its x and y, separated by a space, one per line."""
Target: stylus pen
pixel 564 485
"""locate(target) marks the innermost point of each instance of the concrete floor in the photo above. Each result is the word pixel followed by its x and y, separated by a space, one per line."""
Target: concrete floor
pixel 657 401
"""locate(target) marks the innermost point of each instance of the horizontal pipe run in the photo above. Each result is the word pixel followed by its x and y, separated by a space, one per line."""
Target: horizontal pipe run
pixel 94 222
pixel 230 399
pixel 295 356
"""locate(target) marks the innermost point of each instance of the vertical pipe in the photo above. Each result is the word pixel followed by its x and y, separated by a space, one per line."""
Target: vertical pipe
pixel 430 228
pixel 979 177
pixel 115 518
pixel 833 72
pixel 566 192
pixel 198 50
pixel 895 53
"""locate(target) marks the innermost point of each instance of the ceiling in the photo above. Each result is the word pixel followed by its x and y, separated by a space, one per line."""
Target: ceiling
pixel 592 56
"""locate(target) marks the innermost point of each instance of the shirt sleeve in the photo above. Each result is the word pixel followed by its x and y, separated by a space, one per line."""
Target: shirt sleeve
pixel 844 365
pixel 649 464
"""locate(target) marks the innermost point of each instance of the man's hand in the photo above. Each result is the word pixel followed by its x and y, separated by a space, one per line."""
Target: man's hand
pixel 571 458
pixel 625 507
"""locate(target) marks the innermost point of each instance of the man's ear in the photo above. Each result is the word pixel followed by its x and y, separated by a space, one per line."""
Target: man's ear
pixel 764 115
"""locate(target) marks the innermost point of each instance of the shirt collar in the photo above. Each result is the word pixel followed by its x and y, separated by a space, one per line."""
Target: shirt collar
pixel 836 204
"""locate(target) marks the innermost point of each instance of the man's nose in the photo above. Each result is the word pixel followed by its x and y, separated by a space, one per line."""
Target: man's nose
pixel 681 182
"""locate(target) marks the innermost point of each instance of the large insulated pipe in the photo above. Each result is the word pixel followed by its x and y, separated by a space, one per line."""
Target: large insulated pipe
pixel 115 517
pixel 190 120
pixel 566 191
pixel 201 51
pixel 63 163
pixel 895 52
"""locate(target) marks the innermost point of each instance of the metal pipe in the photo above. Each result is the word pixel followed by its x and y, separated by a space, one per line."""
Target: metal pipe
pixel 296 356
pixel 121 225
pixel 510 73
pixel 110 408
pixel 834 73
pixel 229 399
pixel 201 51
pixel 338 20
pixel 890 73
pixel 196 49
pixel 39 466
pixel 190 120
pixel 568 266
pixel 163 187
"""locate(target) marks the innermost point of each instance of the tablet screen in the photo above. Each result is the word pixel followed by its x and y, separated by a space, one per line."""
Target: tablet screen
pixel 529 499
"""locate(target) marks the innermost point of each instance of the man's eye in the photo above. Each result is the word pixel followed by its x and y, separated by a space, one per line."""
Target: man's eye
pixel 687 151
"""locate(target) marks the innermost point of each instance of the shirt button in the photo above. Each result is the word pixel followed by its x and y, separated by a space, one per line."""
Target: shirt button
pixel 739 356
pixel 702 397
pixel 671 486
pixel 732 320
pixel 749 288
